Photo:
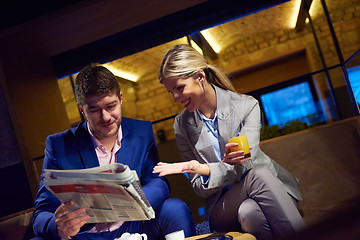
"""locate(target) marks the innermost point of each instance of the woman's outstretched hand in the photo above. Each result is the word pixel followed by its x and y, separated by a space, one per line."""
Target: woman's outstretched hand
pixel 234 157
pixel 192 166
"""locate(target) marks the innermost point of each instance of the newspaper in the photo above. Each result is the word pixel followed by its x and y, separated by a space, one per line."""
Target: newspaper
pixel 109 193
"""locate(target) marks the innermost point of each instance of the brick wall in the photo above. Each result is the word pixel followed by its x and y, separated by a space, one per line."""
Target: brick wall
pixel 152 102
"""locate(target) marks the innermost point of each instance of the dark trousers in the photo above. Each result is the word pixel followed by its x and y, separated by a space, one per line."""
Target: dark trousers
pixel 173 215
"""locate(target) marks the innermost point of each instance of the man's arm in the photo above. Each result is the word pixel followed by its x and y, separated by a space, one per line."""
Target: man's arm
pixel 43 216
pixel 45 221
pixel 46 203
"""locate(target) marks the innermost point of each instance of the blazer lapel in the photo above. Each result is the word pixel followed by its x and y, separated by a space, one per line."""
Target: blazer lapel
pixel 124 155
pixel 87 151
pixel 226 117
pixel 199 138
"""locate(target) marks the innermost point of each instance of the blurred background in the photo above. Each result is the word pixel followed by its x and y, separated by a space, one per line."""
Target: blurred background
pixel 299 58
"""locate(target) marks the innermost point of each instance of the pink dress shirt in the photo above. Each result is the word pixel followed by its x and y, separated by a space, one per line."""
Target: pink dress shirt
pixel 106 157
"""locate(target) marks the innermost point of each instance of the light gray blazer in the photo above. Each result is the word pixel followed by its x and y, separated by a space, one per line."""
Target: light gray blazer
pixel 236 112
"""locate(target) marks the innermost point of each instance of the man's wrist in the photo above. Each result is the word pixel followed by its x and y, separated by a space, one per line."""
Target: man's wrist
pixel 61 235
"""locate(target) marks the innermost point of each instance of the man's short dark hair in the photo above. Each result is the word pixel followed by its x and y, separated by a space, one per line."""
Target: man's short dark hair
pixel 95 79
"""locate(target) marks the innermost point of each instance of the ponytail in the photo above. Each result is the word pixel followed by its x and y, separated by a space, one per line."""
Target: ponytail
pixel 215 76
pixel 183 61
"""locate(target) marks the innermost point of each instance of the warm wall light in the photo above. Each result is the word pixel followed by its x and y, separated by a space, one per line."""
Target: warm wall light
pixel 197 48
pixel 210 39
pixel 314 9
pixel 295 12
pixel 122 74
pixel 299 20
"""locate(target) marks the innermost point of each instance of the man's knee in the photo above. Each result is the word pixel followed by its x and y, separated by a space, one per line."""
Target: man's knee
pixel 175 215
pixel 174 207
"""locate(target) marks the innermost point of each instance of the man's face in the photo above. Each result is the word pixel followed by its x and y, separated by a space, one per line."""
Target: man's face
pixel 103 113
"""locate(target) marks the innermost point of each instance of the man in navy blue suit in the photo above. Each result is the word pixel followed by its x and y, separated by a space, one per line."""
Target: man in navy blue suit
pixel 106 137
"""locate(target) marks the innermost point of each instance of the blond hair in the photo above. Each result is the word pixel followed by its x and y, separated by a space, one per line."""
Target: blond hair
pixel 183 61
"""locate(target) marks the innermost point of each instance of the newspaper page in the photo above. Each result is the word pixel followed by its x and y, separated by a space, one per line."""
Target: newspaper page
pixel 108 193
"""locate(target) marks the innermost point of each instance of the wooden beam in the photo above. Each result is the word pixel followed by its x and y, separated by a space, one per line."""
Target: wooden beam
pixel 303 14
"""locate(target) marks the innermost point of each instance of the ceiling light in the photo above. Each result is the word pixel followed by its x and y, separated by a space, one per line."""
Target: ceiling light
pixel 125 75
pixel 194 45
pixel 295 12
pixel 314 9
pixel 211 40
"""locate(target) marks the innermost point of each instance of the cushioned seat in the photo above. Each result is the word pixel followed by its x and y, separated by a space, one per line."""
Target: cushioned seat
pixel 17 226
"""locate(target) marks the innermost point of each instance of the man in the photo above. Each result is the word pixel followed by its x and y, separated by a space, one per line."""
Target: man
pixel 106 137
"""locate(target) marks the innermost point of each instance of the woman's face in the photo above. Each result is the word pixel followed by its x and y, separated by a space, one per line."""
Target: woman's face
pixel 187 91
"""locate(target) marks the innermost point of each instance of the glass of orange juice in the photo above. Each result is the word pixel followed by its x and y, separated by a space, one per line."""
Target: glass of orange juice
pixel 243 145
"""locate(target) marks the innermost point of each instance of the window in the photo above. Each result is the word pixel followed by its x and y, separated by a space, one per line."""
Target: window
pixel 288 101
pixel 291 103
pixel 354 78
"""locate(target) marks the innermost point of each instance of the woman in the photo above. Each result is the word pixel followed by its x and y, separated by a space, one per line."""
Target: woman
pixel 255 194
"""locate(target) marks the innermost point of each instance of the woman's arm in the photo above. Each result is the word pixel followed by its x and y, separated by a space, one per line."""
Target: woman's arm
pixel 188 154
pixel 192 166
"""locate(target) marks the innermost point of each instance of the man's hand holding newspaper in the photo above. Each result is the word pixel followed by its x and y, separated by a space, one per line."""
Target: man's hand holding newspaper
pixel 108 193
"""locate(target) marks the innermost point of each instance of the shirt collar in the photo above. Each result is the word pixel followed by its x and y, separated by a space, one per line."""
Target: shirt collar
pixel 98 144
pixel 205 119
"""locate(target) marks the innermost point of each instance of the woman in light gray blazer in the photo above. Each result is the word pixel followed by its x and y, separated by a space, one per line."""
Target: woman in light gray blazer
pixel 254 194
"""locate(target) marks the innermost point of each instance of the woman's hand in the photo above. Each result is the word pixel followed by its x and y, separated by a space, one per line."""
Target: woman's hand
pixel 192 166
pixel 234 157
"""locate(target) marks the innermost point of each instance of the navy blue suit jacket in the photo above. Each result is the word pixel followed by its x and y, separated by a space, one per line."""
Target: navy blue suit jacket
pixel 73 149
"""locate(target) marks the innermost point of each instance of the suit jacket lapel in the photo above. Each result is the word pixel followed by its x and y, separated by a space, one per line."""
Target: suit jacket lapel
pixel 86 151
pixel 226 117
pixel 199 138
pixel 124 155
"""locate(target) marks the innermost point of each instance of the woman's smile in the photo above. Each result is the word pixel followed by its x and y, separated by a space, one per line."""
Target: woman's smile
pixel 187 102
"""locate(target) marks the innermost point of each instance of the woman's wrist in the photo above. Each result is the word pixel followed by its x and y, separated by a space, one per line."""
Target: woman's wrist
pixel 204 169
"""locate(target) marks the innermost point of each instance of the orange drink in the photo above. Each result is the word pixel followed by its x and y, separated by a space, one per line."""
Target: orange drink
pixel 243 145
